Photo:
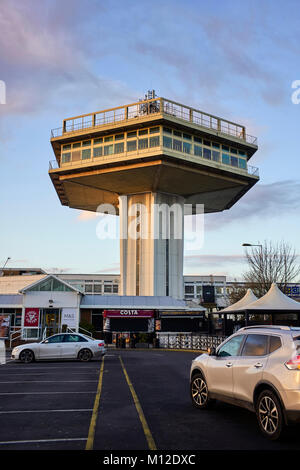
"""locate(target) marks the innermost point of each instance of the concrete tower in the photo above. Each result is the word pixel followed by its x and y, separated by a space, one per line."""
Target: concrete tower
pixel 151 161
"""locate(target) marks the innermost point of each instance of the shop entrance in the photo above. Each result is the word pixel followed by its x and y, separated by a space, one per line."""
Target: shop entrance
pixel 51 319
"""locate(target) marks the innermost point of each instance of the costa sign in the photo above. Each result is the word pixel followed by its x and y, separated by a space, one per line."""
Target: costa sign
pixel 128 313
pixel 31 317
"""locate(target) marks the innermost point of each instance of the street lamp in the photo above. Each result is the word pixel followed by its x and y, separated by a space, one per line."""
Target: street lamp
pixel 6 262
pixel 2 272
pixel 251 244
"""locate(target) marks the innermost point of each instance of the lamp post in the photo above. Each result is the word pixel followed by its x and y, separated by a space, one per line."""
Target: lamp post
pixel 251 244
pixel 7 259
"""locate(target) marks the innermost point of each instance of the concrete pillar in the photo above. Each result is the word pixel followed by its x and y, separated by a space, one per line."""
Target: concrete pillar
pixel 151 244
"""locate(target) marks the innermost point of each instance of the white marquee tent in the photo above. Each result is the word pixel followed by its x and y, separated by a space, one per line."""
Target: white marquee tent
pixel 248 298
pixel 276 300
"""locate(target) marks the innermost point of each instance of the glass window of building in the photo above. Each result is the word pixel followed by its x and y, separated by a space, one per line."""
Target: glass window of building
pixel 86 154
pixel 207 153
pixel 131 145
pixel 198 150
pixel 242 164
pixel 154 141
pixel 66 147
pixel 108 149
pixel 167 130
pixel 234 151
pixel 215 156
pixel 215 145
pixel 187 136
pixel 225 147
pixel 177 145
pixel 177 133
pixel 107 288
pixel 110 138
pixel 119 148
pixel 66 157
pixel 207 143
pixel 143 144
pixel 98 288
pixel 198 140
pixel 98 141
pixel 143 132
pixel 98 152
pixel 241 152
pixel 130 135
pixel 88 288
pixel 199 291
pixel 189 289
pixel 187 147
pixel 154 130
pixel 167 142
pixel 115 288
pixel 225 158
pixel 76 145
pixel 234 161
pixel 119 137
pixel 86 143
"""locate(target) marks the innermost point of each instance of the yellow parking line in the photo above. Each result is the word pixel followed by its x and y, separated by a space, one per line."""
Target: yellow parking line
pixel 92 428
pixel 146 429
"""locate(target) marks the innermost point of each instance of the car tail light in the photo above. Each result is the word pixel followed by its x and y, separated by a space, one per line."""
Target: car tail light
pixel 101 345
pixel 294 363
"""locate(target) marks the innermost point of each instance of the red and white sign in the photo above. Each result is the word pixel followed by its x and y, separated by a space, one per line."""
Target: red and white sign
pixel 32 317
pixel 128 313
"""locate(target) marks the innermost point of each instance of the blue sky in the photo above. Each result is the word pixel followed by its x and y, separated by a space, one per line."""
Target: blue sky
pixel 230 58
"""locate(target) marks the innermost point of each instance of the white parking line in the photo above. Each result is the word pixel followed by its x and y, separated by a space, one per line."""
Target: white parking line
pixel 47 411
pixel 43 441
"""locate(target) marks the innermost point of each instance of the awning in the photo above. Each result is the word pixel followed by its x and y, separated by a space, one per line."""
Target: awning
pixel 128 313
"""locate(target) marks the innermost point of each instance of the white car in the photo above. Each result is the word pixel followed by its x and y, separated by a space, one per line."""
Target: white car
pixel 256 368
pixel 61 346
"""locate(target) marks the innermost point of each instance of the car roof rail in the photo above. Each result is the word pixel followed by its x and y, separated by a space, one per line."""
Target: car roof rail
pixel 272 327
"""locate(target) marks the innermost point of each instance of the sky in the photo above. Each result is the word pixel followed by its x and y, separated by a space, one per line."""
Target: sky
pixel 234 59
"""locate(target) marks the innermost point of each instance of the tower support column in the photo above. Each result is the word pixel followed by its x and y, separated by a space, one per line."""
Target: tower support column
pixel 151 244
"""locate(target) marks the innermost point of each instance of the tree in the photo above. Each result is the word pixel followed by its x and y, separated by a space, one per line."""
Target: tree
pixel 269 263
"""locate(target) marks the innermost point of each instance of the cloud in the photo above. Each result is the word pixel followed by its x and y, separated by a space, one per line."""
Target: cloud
pixel 212 260
pixel 46 52
pixel 113 268
pixel 264 201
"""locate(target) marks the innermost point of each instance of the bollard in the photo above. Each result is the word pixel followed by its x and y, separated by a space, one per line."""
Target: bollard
pixel 2 352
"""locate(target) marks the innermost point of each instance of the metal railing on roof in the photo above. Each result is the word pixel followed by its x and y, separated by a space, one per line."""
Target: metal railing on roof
pixel 154 106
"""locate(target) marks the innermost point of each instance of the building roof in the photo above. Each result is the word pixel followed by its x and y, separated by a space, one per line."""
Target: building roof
pixel 14 284
pixel 44 278
pixel 11 301
pixel 141 302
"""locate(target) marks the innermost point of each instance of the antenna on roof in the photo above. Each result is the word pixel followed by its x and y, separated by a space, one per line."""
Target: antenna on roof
pixel 152 107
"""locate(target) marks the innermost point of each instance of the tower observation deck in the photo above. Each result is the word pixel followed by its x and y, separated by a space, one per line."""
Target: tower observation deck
pixel 143 156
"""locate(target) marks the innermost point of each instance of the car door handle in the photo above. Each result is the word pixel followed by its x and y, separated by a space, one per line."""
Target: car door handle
pixel 258 365
pixel 229 364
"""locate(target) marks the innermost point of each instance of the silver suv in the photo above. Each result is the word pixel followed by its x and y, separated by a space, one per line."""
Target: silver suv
pixel 257 368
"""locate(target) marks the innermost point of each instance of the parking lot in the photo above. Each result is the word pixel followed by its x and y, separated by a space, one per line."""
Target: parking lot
pixel 134 400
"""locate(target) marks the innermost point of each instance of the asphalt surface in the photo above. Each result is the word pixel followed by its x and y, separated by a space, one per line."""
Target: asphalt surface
pixel 139 399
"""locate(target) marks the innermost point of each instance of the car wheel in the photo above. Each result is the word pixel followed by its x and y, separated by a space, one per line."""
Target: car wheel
pixel 85 355
pixel 26 356
pixel 269 415
pixel 199 392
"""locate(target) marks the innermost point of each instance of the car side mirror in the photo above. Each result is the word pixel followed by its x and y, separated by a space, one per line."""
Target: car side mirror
pixel 212 351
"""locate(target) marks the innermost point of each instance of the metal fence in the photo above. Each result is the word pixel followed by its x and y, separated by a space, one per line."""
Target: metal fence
pixel 188 341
